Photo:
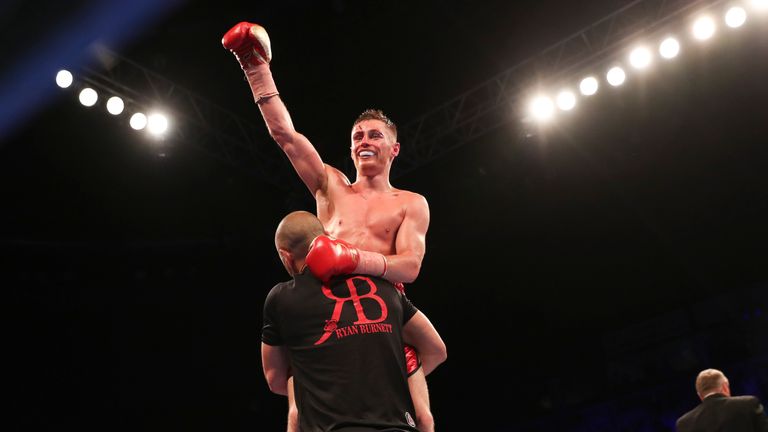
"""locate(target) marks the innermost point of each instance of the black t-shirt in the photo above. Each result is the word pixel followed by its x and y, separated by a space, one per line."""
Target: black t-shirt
pixel 346 351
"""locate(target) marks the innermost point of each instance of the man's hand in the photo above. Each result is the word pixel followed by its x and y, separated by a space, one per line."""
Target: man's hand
pixel 250 44
pixel 329 257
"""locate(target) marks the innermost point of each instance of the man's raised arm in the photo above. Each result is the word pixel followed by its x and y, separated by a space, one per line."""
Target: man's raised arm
pixel 250 44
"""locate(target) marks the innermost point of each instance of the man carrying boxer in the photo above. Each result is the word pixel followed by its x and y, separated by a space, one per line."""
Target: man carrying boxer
pixel 343 341
pixel 385 227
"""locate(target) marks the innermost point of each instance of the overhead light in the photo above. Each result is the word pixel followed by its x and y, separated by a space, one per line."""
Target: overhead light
pixel 669 48
pixel 616 76
pixel 542 108
pixel 115 105
pixel 735 17
pixel 64 78
pixel 88 97
pixel 704 28
pixel 640 58
pixel 157 123
pixel 588 86
pixel 566 100
pixel 761 5
pixel 138 121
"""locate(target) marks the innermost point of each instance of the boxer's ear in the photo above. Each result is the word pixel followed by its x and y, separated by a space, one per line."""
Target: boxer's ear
pixel 395 149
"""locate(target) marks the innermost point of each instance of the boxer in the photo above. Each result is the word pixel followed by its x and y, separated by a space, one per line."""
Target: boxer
pixel 384 225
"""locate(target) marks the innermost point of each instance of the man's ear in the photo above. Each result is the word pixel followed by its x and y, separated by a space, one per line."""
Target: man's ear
pixel 726 388
pixel 395 149
pixel 287 258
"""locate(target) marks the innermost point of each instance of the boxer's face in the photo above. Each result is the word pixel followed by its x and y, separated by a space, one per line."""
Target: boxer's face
pixel 373 146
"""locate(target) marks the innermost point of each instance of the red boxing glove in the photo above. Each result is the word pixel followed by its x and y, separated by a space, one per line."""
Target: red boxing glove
pixel 329 257
pixel 412 360
pixel 250 44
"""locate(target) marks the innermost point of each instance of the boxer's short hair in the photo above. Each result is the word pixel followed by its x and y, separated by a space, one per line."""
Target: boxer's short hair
pixel 376 114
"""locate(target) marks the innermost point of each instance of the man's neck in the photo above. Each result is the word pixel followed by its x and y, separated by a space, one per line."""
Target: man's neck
pixel 378 183
pixel 712 393
pixel 299 264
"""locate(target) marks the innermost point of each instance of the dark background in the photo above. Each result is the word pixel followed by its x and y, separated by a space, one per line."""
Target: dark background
pixel 580 277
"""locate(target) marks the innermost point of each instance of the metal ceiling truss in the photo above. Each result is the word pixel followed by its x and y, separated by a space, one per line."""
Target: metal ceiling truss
pixel 498 101
pixel 461 120
pixel 199 122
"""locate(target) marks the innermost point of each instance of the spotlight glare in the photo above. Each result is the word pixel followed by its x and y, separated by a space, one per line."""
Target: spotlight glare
pixel 157 124
pixel 735 17
pixel 761 5
pixel 566 100
pixel 640 58
pixel 88 97
pixel 138 121
pixel 588 86
pixel 542 108
pixel 669 48
pixel 704 28
pixel 64 78
pixel 616 76
pixel 115 105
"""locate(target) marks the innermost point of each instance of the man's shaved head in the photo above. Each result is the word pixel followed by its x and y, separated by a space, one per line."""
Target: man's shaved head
pixel 296 231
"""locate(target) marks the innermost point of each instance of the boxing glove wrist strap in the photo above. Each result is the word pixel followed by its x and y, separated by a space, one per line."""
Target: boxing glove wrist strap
pixel 371 263
pixel 260 79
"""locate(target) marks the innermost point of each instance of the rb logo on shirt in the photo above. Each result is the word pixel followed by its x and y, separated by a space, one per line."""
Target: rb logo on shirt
pixel 354 297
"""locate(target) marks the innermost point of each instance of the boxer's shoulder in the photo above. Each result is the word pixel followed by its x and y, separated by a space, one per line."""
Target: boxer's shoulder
pixel 336 178
pixel 410 198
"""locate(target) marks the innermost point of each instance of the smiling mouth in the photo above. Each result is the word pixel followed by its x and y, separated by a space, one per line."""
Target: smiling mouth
pixel 365 154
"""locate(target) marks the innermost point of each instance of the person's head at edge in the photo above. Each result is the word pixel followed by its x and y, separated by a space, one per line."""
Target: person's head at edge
pixel 712 381
pixel 293 236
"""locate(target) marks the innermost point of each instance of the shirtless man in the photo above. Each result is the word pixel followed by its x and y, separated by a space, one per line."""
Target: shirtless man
pixel 385 226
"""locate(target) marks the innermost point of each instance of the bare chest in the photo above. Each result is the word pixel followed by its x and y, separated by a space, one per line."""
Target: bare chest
pixel 367 220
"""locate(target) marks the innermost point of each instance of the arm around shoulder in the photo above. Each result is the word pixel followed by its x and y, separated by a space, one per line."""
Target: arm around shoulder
pixel 422 335
pixel 274 360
